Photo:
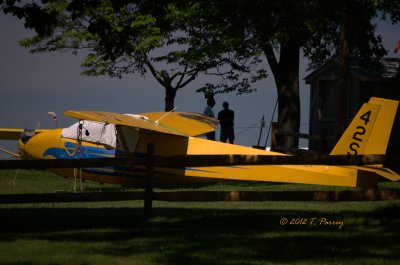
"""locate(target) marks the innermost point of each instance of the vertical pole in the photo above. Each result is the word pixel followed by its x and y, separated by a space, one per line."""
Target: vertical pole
pixel 270 126
pixel 274 126
pixel 261 129
pixel 148 199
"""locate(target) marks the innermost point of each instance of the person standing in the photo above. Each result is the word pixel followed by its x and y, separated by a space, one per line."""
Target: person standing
pixel 208 111
pixel 226 118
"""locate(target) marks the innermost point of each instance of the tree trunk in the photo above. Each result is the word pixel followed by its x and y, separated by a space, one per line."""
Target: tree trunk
pixel 170 94
pixel 286 74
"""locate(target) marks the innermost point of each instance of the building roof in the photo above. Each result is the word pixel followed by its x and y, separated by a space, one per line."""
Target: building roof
pixel 389 68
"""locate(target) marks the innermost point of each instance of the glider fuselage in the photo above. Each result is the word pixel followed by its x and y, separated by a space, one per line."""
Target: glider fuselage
pixel 50 145
pixel 102 134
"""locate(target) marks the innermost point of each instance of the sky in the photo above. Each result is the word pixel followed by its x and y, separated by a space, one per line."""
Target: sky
pixel 31 85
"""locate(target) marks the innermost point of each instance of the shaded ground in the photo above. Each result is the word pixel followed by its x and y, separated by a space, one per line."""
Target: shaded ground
pixel 193 233
pixel 199 235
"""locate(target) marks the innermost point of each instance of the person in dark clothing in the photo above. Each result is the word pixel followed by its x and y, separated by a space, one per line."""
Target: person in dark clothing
pixel 226 117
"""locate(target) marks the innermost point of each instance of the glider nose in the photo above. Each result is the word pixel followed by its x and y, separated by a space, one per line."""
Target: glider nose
pixel 36 146
pixel 25 137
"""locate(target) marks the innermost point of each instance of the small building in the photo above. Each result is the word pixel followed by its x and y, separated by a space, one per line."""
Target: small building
pixel 382 81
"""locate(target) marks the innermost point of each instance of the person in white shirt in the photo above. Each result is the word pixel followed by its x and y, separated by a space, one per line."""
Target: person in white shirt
pixel 208 111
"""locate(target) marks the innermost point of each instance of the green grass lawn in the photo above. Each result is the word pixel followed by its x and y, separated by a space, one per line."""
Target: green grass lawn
pixel 193 233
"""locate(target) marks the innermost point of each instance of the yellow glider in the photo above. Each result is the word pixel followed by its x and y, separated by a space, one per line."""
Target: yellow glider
pixel 104 134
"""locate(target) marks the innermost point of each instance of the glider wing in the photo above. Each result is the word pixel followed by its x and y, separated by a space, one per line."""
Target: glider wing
pixel 175 123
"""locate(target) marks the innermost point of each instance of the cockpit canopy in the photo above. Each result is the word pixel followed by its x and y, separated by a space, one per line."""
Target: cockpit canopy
pixel 96 132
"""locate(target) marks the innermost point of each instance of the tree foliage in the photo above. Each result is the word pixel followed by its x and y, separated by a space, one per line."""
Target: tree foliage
pixel 124 37
pixel 281 29
pixel 177 40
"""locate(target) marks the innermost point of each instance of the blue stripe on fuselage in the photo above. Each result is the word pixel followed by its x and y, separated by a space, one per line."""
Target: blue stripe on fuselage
pixel 70 152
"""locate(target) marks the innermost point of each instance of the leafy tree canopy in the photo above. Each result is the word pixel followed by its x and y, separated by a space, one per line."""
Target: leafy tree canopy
pixel 125 37
pixel 225 38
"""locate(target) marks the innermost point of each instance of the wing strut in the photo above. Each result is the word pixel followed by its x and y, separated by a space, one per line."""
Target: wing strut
pixel 121 138
pixel 10 153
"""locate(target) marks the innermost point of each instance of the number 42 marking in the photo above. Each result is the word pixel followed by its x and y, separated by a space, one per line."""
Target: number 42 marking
pixel 365 117
pixel 357 136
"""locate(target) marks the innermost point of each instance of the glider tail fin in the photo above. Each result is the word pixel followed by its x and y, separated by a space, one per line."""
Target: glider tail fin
pixel 369 131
